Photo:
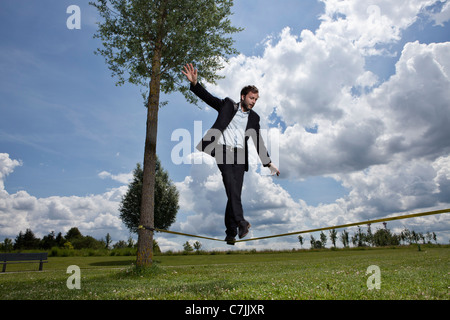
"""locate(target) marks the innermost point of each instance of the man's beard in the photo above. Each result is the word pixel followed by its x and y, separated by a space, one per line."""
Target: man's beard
pixel 245 106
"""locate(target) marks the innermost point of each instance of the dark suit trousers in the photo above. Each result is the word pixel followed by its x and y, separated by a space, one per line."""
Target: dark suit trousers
pixel 233 178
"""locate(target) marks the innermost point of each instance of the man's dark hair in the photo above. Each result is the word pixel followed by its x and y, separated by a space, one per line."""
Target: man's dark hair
pixel 247 89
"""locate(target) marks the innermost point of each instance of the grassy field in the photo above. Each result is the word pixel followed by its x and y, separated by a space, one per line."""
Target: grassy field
pixel 406 273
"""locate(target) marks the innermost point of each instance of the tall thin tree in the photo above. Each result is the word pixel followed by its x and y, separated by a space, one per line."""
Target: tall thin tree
pixel 333 237
pixel 146 42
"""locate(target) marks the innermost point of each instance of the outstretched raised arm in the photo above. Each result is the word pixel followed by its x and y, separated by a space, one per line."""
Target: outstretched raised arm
pixel 191 73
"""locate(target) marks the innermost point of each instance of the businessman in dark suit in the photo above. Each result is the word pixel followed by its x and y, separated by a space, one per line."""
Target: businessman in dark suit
pixel 226 141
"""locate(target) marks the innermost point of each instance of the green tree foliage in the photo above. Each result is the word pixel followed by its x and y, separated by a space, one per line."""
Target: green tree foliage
pixel 49 241
pixel 166 200
pixel 323 239
pixel 300 239
pixel 333 237
pixel 73 233
pixel 146 39
pixel 315 244
pixel 146 43
pixel 187 247
pixel 25 241
pixel 78 241
pixel 108 241
pixel 344 238
pixel 384 237
pixel 197 246
pixel 7 245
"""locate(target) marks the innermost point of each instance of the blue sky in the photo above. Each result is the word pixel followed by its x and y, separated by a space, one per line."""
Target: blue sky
pixel 372 79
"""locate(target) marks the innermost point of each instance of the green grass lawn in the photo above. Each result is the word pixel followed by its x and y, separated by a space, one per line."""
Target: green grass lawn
pixel 406 273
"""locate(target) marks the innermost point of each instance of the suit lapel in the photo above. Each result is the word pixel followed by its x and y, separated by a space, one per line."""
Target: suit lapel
pixel 251 120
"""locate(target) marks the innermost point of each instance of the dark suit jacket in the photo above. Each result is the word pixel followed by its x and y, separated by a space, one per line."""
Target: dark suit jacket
pixel 227 108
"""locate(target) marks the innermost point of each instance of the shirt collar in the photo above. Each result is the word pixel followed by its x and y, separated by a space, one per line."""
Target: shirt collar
pixel 242 112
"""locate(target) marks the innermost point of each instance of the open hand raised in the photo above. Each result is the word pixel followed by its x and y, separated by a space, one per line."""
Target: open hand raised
pixel 191 73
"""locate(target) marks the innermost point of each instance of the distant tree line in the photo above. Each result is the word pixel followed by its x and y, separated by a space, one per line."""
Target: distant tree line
pixel 382 237
pixel 73 239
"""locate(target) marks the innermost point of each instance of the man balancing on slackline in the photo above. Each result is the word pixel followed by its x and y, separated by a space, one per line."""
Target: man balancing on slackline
pixel 226 141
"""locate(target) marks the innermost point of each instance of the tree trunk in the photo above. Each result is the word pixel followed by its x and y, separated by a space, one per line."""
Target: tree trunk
pixel 145 240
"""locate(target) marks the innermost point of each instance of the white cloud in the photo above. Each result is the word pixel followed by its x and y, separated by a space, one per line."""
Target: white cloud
pixel 406 116
pixel 442 16
pixel 396 187
pixel 165 244
pixel 7 166
pixel 94 215
pixel 303 76
pixel 414 103
pixel 124 178
pixel 368 24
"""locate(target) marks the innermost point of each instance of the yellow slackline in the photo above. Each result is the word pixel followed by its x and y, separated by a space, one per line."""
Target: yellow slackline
pixel 178 233
pixel 408 216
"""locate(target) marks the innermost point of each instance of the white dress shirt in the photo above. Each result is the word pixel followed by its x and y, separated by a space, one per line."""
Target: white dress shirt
pixel 234 134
